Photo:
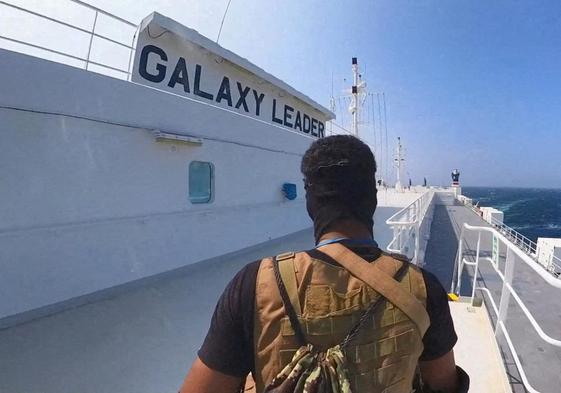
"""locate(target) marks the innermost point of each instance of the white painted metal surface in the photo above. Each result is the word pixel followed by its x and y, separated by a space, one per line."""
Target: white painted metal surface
pixel 475 336
pixel 514 254
pixel 139 340
pixel 91 200
pixel 215 62
pixel 548 253
pixel 492 215
pixel 411 226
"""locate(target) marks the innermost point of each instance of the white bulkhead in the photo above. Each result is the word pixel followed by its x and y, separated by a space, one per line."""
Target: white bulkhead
pixel 98 182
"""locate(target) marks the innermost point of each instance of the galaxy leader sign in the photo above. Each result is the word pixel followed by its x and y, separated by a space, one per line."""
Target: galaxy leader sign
pixel 182 67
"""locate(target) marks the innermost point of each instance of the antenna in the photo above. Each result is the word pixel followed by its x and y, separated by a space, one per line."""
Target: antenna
pixel 386 126
pixel 222 23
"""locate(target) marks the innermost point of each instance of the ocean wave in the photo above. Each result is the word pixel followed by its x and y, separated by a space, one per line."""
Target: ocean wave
pixel 532 212
pixel 522 227
pixel 519 227
pixel 505 207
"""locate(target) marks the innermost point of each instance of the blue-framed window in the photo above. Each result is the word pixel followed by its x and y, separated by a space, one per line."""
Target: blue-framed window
pixel 201 182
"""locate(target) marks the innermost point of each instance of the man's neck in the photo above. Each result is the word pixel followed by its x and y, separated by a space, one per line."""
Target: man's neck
pixel 349 230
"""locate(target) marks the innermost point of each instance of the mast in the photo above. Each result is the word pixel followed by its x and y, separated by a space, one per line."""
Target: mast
pixel 354 102
pixel 398 160
pixel 357 91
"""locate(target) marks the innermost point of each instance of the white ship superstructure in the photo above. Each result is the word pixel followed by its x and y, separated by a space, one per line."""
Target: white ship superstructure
pixel 127 205
pixel 106 181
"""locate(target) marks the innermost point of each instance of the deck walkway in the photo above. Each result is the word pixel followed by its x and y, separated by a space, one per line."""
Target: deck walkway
pixel 140 341
pixel 541 361
pixel 143 340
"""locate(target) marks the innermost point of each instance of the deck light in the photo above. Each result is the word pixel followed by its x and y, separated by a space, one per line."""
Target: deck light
pixel 171 137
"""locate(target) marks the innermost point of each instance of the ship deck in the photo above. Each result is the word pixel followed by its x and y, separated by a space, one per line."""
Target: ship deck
pixel 143 339
pixel 138 339
pixel 541 361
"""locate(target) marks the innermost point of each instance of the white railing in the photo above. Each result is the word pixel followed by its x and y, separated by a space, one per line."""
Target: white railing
pixel 410 228
pixel 525 244
pixel 92 33
pixel 507 291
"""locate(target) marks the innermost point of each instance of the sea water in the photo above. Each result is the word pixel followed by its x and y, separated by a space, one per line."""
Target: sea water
pixel 534 212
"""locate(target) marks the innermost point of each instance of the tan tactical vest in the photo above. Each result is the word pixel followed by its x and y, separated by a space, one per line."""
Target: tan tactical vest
pixel 383 358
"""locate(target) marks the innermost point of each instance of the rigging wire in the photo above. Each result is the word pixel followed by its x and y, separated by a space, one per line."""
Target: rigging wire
pixel 381 141
pixel 373 121
pixel 341 128
pixel 222 23
pixel 386 126
pixel 365 115
pixel 379 118
pixel 380 136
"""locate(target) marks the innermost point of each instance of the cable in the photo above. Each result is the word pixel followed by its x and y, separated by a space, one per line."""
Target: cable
pixel 155 36
pixel 386 125
pixel 380 119
pixel 222 23
pixel 373 121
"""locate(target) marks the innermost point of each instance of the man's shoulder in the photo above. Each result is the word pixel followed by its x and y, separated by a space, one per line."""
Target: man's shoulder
pixel 431 281
pixel 405 260
pixel 247 275
pixel 394 255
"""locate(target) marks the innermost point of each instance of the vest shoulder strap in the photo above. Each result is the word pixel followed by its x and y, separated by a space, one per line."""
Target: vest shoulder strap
pixel 381 282
pixel 288 274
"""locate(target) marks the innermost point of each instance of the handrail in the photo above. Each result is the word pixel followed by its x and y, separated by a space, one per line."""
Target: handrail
pixel 524 243
pixel 527 245
pixel 407 225
pixel 507 289
pixel 104 12
pixel 92 32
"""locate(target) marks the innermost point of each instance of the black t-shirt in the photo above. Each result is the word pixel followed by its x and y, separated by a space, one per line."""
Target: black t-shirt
pixel 228 346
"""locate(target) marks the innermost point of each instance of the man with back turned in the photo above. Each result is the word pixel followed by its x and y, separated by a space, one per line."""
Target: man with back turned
pixel 388 321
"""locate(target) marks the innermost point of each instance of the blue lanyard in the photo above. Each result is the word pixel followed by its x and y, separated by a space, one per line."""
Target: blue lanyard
pixel 358 242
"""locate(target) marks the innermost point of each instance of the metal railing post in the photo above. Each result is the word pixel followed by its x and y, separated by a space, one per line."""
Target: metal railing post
pixel 129 76
pixel 508 291
pixel 417 242
pixel 505 291
pixel 476 269
pixel 85 61
pixel 408 223
pixel 460 264
pixel 91 40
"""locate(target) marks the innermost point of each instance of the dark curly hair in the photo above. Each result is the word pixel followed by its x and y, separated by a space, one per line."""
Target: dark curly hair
pixel 326 154
pixel 339 176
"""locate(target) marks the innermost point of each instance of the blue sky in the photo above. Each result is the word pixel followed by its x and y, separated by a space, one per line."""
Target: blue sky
pixel 473 85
